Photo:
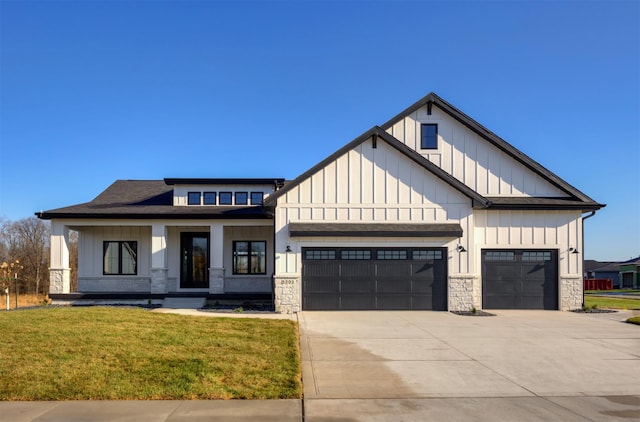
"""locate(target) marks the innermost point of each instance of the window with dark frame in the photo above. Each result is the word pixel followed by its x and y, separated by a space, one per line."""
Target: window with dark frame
pixel 530 256
pixel 355 255
pixel 391 254
pixel 257 198
pixel 321 254
pixel 209 198
pixel 193 198
pixel 242 198
pixel 249 257
pixel 426 255
pixel 500 256
pixel 120 257
pixel 225 198
pixel 429 136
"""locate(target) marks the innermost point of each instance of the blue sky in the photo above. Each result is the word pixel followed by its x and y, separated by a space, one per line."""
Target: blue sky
pixel 94 91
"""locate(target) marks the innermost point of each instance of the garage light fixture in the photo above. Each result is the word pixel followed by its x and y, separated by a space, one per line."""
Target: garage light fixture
pixel 288 249
pixel 573 250
pixel 460 248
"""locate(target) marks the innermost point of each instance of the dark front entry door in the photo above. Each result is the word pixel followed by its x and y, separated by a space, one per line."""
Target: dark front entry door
pixel 194 260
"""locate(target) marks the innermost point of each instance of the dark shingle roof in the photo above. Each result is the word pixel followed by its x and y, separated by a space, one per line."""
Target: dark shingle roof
pixel 539 203
pixel 376 229
pixel 376 133
pixel 147 199
pixel 432 99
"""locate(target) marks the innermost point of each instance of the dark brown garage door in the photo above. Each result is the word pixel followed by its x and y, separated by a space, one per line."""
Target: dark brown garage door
pixel 374 278
pixel 519 279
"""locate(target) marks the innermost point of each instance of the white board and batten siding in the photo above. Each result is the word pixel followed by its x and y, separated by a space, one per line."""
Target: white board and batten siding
pixel 367 185
pixel 559 230
pixel 471 159
pixel 90 258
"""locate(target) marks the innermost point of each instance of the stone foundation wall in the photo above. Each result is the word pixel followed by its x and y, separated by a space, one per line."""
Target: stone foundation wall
pixel 159 280
pixel 216 280
pixel 108 284
pixel 571 289
pixel 287 293
pixel 465 292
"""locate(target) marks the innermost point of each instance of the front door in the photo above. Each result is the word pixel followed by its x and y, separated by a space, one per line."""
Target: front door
pixel 194 260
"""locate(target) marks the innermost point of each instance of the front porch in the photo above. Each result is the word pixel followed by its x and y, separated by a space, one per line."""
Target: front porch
pixel 225 260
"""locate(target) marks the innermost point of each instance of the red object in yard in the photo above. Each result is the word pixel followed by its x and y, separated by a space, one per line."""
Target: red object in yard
pixel 598 284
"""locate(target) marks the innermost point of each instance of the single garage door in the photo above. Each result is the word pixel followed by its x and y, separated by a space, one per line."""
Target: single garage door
pixel 374 278
pixel 519 279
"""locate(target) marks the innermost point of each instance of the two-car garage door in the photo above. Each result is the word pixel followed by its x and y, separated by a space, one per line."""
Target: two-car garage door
pixel 374 278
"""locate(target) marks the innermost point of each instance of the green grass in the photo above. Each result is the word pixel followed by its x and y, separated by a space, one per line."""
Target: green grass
pixel 625 290
pixel 102 353
pixel 611 302
pixel 634 320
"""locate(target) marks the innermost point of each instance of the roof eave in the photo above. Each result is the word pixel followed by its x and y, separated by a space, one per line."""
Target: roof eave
pixel 151 216
pixel 491 137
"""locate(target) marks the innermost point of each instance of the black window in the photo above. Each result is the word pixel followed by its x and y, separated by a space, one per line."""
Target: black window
pixel 355 254
pixel 536 256
pixel 256 198
pixel 320 254
pixel 426 255
pixel 249 257
pixel 193 198
pixel 209 198
pixel 500 256
pixel 225 198
pixel 429 137
pixel 241 198
pixel 120 257
pixel 392 254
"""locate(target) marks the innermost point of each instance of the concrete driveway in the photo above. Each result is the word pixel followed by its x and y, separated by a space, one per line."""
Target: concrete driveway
pixel 517 365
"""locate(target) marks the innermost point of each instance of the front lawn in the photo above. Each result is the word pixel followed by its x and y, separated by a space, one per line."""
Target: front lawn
pixel 611 302
pixel 101 353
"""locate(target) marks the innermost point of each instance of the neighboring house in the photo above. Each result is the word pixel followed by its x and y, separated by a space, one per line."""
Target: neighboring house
pixel 630 273
pixel 602 270
pixel 428 211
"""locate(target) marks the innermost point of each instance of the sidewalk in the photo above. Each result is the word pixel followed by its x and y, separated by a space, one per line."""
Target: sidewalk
pixel 227 313
pixel 153 410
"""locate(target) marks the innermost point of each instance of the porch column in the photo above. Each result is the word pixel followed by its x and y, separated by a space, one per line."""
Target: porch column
pixel 216 271
pixel 59 272
pixel 158 258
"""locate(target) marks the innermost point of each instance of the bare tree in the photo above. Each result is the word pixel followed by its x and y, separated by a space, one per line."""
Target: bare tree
pixel 27 240
pixel 73 259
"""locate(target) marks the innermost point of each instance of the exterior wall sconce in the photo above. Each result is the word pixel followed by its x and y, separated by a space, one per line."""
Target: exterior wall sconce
pixel 460 249
pixel 573 250
pixel 288 249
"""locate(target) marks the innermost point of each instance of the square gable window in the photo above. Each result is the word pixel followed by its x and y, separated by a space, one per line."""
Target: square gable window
pixel 209 198
pixel 193 198
pixel 256 198
pixel 242 198
pixel 225 198
pixel 429 136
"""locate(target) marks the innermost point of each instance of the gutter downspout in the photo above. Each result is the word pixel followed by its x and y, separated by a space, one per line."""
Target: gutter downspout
pixel 582 246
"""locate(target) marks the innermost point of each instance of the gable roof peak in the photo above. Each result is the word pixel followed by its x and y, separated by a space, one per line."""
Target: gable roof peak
pixel 433 99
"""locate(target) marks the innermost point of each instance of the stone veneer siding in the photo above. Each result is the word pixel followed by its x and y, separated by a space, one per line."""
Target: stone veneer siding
pixel 287 294
pixel 464 292
pixel 114 284
pixel 571 290
pixel 59 280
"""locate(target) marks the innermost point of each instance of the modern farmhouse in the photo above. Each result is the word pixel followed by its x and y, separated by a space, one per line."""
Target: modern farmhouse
pixel 428 211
